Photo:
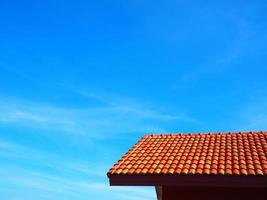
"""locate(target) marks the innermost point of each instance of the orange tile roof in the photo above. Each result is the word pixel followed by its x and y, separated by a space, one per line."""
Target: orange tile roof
pixel 243 153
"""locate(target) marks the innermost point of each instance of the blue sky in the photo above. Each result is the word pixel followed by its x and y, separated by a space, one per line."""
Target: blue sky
pixel 82 81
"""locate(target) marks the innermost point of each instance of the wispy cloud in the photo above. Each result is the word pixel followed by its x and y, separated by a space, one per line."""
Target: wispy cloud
pixel 56 186
pixel 53 162
pixel 115 114
pixel 56 177
pixel 127 105
pixel 36 115
pixel 122 104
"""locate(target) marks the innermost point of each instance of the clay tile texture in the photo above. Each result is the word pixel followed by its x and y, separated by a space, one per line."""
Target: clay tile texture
pixel 229 154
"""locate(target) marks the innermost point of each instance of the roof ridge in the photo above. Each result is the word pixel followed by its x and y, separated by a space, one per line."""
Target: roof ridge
pixel 202 133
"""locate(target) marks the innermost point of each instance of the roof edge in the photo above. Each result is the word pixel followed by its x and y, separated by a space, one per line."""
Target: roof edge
pixel 189 180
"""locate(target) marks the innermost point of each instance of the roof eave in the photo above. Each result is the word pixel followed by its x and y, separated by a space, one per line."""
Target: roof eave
pixel 189 180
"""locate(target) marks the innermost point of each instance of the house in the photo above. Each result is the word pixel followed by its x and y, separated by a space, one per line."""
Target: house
pixel 197 166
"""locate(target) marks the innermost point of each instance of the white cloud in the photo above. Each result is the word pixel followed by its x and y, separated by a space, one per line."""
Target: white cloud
pixel 56 185
pixel 54 162
pixel 117 114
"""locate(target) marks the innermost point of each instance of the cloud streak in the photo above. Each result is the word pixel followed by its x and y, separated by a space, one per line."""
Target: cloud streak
pixel 62 178
pixel 56 186
pixel 99 121
pixel 57 163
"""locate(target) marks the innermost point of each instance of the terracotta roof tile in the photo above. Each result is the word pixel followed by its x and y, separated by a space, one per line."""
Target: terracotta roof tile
pixel 243 153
